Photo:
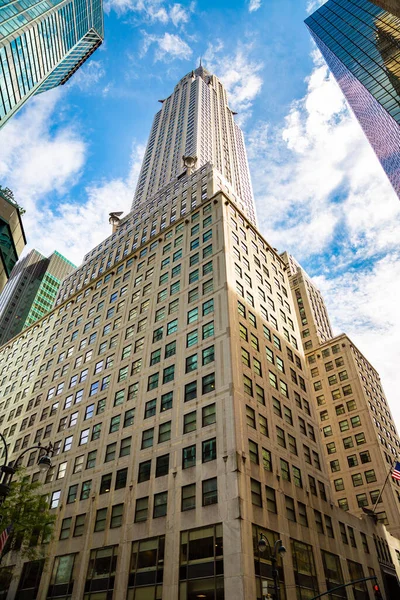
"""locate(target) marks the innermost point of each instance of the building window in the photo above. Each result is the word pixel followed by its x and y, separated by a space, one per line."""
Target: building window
pixel 256 497
pixel 65 528
pixel 147 438
pixel 201 563
pixel 189 456
pixel 357 479
pixel 209 450
pixel 129 417
pixel 86 488
pixel 91 459
pixel 101 517
pixel 169 374
pixel 29 582
pixel 209 491
pixel 208 383
pixel 125 448
pixel 271 499
pixel 144 471
pixel 332 569
pixel 189 422
pixel 146 569
pixel 152 382
pixel 160 505
pixel 110 452
pixel 114 423
pixel 162 465
pixel 191 363
pixel 339 484
pixel 150 408
pixel 117 512
pixel 208 415
pixel 304 570
pixel 72 493
pixel 79 525
pixel 302 514
pixel 290 510
pixel 141 510
pixel 55 499
pixel 105 484
pixel 190 391
pixel 61 576
pixel 101 572
pixel 297 477
pixel 164 432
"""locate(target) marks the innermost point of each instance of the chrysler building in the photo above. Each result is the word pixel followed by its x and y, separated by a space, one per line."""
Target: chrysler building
pixel 195 125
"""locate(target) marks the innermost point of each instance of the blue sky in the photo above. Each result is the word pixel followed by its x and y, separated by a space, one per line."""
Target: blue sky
pixel 72 155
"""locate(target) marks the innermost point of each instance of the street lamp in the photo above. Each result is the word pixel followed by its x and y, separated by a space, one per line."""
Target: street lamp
pixel 280 550
pixel 7 471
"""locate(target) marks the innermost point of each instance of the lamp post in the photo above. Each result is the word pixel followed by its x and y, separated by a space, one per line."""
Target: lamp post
pixel 280 550
pixel 7 471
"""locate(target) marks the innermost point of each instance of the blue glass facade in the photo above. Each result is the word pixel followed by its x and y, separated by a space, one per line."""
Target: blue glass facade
pixel 42 43
pixel 360 42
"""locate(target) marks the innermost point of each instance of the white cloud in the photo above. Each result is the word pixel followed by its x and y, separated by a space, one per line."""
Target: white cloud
pixel 76 227
pixel 152 11
pixel 179 14
pixel 318 174
pixel 35 161
pixel 364 304
pixel 322 194
pixel 239 73
pixel 41 167
pixel 254 5
pixel 168 46
pixel 88 75
pixel 314 4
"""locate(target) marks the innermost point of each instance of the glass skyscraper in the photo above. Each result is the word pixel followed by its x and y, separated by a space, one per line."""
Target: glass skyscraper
pixel 42 43
pixel 12 234
pixel 31 291
pixel 360 41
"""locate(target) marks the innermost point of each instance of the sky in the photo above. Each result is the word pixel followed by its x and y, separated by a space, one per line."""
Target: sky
pixel 72 155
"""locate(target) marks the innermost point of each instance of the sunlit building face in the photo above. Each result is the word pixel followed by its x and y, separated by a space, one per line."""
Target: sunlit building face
pixel 360 42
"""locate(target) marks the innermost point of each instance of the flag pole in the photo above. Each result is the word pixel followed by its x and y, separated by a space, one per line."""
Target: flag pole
pixel 383 487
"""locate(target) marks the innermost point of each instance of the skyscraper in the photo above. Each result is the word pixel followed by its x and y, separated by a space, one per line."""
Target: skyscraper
pixel 360 41
pixel 195 122
pixel 12 235
pixel 171 379
pixel 31 291
pixel 358 431
pixel 313 318
pixel 42 44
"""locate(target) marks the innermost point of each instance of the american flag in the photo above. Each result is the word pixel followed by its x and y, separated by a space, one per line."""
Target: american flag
pixel 4 537
pixel 396 471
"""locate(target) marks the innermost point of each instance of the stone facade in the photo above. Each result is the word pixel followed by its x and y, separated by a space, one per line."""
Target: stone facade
pixel 175 389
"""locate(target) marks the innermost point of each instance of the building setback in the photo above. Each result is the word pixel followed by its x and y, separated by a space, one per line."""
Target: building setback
pixel 12 235
pixel 360 438
pixel 312 314
pixel 31 291
pixel 163 376
pixel 42 44
pixel 360 41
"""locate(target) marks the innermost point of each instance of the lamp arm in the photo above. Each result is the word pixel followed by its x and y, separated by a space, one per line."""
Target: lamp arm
pixel 47 449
